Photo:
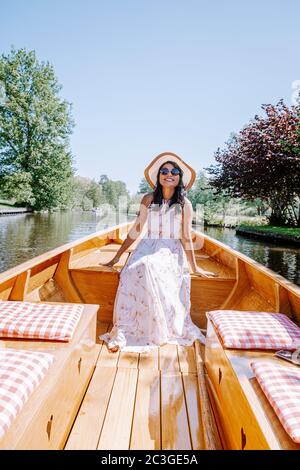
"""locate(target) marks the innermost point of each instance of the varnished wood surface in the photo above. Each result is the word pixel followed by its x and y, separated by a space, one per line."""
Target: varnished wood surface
pixel 144 401
pixel 45 420
pixel 273 430
pixel 242 283
pixel 72 273
pixel 244 414
pixel 98 284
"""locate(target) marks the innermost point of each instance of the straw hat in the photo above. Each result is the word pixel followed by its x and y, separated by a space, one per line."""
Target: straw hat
pixel 151 170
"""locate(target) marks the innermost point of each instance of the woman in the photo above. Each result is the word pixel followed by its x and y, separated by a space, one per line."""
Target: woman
pixel 152 304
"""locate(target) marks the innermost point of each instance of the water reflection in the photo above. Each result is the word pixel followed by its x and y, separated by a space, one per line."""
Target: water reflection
pixel 27 235
pixel 24 236
pixel 284 260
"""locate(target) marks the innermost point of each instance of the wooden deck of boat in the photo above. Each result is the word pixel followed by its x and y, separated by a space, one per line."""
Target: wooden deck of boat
pixel 140 401
pixel 91 259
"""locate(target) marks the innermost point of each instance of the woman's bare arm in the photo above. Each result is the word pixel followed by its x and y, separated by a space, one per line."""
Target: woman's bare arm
pixel 135 230
pixel 187 243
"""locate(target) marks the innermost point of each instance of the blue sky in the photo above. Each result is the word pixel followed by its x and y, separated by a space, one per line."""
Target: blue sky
pixel 149 76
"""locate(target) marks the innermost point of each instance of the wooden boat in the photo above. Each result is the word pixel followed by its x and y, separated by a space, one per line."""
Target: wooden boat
pixel 172 398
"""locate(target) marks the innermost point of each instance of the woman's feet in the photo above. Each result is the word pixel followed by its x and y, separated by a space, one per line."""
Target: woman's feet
pixel 113 348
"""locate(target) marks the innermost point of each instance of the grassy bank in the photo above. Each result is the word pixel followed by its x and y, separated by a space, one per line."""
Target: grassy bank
pixel 278 235
pixel 291 231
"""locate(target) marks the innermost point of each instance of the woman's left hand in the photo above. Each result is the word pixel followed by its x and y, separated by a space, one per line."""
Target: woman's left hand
pixel 201 272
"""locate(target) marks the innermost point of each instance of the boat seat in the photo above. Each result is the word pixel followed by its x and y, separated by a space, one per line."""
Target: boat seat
pixel 281 386
pixel 255 330
pixel 245 417
pixel 33 320
pixel 21 372
pixel 93 258
pixel 95 281
pixel 48 415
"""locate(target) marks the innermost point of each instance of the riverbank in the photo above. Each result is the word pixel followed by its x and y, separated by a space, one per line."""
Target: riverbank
pixel 12 210
pixel 278 235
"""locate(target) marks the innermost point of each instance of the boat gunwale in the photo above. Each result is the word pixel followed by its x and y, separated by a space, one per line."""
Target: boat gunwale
pixel 17 270
pixel 33 262
pixel 255 264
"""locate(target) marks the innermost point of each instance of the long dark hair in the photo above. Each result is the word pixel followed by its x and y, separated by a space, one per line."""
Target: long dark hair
pixel 179 193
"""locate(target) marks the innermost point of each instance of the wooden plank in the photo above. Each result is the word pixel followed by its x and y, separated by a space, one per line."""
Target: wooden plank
pixel 108 358
pixel 94 257
pixel 97 287
pixel 128 359
pixel 241 428
pixel 149 360
pixel 187 360
pixel 63 278
pixel 263 413
pixel 146 420
pixel 48 292
pixel 87 427
pixel 117 425
pixel 102 328
pixel 20 286
pixel 213 265
pixel 174 421
pixel 207 294
pixel 209 427
pixel 295 304
pixel 282 301
pixel 263 284
pixel 52 256
pixel 168 358
pixel 6 288
pixel 47 417
pixel 82 249
pixel 40 276
pixel 190 384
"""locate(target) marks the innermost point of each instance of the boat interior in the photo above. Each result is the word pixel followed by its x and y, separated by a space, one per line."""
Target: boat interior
pixel 175 397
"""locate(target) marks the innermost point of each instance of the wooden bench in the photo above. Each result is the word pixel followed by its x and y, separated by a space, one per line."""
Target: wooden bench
pixel 245 418
pixel 47 417
pixel 98 284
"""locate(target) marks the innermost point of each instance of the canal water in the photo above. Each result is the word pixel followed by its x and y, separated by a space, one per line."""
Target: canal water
pixel 27 235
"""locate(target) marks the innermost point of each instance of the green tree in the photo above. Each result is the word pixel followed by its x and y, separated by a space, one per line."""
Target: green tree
pixel 213 202
pixel 35 124
pixel 79 188
pixel 262 161
pixel 144 186
pixel 20 186
pixel 95 193
pixel 113 190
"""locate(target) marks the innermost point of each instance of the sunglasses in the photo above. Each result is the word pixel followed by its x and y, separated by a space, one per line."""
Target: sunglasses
pixel 166 171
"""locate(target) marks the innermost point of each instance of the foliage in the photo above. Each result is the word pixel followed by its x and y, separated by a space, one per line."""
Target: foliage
pixel 35 124
pixel 85 193
pixel 18 186
pixel 88 194
pixel 217 206
pixel 113 190
pixel 262 161
pixel 144 187
pixel 95 193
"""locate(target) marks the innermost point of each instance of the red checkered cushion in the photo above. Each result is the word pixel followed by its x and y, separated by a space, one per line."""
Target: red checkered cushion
pixel 255 330
pixel 20 374
pixel 38 320
pixel 281 385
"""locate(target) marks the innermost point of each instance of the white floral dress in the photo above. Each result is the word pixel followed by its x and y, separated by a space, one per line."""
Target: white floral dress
pixel 152 304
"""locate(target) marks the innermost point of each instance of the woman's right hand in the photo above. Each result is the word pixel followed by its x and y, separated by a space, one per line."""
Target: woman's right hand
pixel 201 272
pixel 111 262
